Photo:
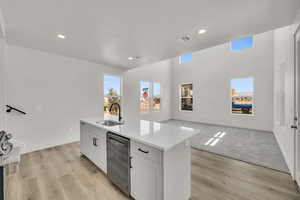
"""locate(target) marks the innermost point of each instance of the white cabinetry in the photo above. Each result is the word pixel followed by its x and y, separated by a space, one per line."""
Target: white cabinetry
pixel 160 175
pixel 93 144
pixel 156 173
pixel 146 172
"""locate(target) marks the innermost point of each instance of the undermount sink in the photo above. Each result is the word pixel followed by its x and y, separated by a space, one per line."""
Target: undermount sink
pixel 110 123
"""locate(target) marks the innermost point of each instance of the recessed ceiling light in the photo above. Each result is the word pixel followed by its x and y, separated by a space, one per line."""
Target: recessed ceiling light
pixel 133 58
pixel 201 31
pixel 61 36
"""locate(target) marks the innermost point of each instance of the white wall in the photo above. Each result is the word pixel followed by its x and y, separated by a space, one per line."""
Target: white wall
pixel 2 88
pixel 159 72
pixel 2 77
pixel 284 61
pixel 211 71
pixel 55 91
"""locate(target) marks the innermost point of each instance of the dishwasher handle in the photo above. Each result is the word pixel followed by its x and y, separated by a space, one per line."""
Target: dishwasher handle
pixel 116 141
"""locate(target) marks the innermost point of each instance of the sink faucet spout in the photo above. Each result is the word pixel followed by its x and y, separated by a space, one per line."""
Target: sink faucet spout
pixel 119 108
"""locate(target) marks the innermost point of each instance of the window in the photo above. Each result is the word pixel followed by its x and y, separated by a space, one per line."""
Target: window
pixel 145 97
pixel 112 94
pixel 185 58
pixel 186 97
pixel 156 97
pixel 242 96
pixel 150 97
pixel 241 44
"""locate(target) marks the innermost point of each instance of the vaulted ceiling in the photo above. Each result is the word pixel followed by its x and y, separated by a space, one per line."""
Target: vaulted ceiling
pixel 110 31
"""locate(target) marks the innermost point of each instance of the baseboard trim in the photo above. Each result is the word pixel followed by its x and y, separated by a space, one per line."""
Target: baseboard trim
pixel 291 168
pixel 49 146
pixel 211 124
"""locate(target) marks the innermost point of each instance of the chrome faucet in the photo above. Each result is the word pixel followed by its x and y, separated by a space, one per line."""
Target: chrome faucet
pixel 119 107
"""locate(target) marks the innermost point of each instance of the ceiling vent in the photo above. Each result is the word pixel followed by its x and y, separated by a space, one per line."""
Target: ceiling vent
pixel 185 38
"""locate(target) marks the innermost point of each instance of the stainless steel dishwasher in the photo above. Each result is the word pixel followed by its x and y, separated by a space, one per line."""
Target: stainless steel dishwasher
pixel 118 161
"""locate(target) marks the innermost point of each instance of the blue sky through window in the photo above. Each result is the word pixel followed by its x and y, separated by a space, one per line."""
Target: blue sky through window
pixel 185 58
pixel 145 87
pixel 242 84
pixel 156 89
pixel 112 82
pixel 244 43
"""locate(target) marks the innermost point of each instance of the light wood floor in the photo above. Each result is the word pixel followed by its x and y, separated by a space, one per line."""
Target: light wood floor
pixel 60 173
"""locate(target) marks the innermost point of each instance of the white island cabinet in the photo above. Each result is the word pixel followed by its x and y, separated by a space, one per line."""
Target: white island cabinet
pixel 146 172
pixel 93 144
pixel 160 156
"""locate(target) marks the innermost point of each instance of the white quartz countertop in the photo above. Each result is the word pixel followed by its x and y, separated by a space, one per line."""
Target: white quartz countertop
pixel 155 134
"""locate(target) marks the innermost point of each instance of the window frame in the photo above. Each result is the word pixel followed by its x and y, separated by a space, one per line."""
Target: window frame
pixel 121 90
pixel 180 97
pixel 143 113
pixel 253 99
pixel 151 110
pixel 152 96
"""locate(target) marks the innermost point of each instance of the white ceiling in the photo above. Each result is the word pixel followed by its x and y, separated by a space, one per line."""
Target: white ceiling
pixel 110 31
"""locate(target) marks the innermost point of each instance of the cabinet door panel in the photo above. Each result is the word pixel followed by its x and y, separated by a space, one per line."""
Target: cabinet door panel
pixel 85 141
pixel 90 147
pixel 93 144
pixel 146 152
pixel 99 152
pixel 146 179
pixel 103 154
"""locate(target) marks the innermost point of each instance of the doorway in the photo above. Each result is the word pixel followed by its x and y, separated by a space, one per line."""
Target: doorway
pixel 2 92
pixel 296 124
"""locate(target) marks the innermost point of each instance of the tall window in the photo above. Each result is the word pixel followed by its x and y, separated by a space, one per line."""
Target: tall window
pixel 150 96
pixel 112 94
pixel 241 44
pixel 242 96
pixel 145 97
pixel 186 97
pixel 156 97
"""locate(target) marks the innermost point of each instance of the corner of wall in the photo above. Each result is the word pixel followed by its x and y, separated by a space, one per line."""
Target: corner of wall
pixel 2 25
pixel 297 18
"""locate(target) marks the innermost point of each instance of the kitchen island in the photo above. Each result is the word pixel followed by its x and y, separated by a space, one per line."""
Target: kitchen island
pixel 159 156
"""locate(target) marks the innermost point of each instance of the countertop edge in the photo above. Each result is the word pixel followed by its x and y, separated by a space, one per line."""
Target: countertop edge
pixel 164 149
pixel 132 138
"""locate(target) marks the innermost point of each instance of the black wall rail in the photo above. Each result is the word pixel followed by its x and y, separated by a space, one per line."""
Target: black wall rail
pixel 10 108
